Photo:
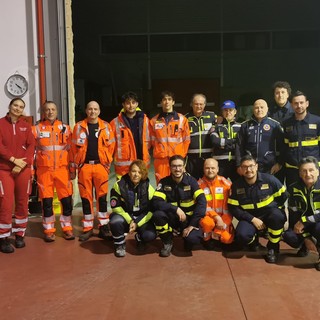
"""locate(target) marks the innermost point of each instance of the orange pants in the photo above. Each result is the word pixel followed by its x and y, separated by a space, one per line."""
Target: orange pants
pixel 93 176
pixel 49 179
pixel 211 232
pixel 161 168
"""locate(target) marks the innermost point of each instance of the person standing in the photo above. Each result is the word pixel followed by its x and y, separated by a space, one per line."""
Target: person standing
pixel 282 109
pixel 304 205
pixel 170 135
pixel 130 200
pixel 179 204
pixel 262 138
pixel 132 134
pixel 16 156
pixel 223 137
pixel 217 224
pixel 257 201
pixel 53 146
pixel 301 136
pixel 200 122
pixel 92 149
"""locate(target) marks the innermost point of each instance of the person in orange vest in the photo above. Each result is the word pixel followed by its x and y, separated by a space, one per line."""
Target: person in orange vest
pixel 217 224
pixel 16 157
pixel 170 135
pixel 92 149
pixel 53 146
pixel 132 134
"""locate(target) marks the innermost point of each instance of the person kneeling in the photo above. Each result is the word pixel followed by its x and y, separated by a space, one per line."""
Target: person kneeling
pixel 130 202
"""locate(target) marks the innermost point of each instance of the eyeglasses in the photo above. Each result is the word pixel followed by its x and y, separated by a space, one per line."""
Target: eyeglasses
pixel 177 166
pixel 251 166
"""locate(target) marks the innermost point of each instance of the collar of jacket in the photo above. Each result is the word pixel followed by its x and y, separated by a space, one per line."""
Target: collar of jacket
pixel 166 114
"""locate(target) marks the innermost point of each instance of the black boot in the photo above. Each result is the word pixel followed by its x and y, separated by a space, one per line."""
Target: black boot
pixel 19 242
pixel 86 235
pixel 5 245
pixel 104 232
pixel 167 240
pixel 120 250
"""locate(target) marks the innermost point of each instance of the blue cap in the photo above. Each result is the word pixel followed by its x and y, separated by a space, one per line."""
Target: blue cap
pixel 228 104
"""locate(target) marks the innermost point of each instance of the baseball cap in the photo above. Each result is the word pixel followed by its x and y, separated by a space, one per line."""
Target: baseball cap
pixel 228 104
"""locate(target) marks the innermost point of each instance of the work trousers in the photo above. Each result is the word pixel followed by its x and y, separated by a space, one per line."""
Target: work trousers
pixel 14 196
pixel 161 168
pixel 93 176
pixel 167 223
pixel 119 226
pixel 273 219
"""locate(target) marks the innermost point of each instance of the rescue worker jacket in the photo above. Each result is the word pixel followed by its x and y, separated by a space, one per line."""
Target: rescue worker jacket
pixel 217 193
pixel 186 195
pixel 281 114
pixel 125 149
pixel 53 144
pixel 200 143
pixel 304 204
pixel 132 202
pixel 223 137
pixel 170 138
pixel 249 201
pixel 301 139
pixel 106 143
pixel 16 140
pixel 262 140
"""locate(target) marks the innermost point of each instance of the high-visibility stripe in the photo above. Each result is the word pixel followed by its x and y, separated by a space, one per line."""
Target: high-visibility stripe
pixel 20 221
pixel 160 195
pixel 206 150
pixel 53 148
pixel 5 226
pixel 275 232
pixel 223 157
pixel 233 202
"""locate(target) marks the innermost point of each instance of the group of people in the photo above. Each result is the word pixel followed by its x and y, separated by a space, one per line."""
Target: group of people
pixel 209 170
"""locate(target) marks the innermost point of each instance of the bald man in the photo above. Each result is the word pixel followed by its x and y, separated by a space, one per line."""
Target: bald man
pixel 217 224
pixel 262 138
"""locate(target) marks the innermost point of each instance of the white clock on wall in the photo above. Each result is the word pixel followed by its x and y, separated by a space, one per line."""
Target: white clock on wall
pixel 17 85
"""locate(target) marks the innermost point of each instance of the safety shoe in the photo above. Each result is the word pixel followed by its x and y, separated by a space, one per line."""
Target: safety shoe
pixel 302 252
pixel 208 245
pixel 187 246
pixel 254 246
pixel 49 237
pixel 120 250
pixel 104 232
pixel 140 244
pixel 68 235
pixel 86 235
pixel 166 250
pixel 271 256
pixel 317 265
pixel 5 245
pixel 19 242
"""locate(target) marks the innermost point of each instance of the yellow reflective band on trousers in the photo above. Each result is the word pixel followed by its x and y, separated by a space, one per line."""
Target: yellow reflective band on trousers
pixel 163 229
pixel 274 236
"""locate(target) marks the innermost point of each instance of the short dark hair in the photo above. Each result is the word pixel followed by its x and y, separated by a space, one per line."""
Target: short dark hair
pixel 282 84
pixel 299 93
pixel 177 157
pixel 248 157
pixel 167 93
pixel 130 95
pixel 309 159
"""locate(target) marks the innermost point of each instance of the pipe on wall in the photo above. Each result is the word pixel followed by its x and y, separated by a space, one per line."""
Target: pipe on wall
pixel 41 53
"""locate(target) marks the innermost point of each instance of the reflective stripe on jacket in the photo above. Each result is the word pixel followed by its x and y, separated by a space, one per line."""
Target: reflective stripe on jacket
pixel 53 144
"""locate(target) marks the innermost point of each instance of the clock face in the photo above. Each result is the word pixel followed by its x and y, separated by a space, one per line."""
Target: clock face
pixel 17 85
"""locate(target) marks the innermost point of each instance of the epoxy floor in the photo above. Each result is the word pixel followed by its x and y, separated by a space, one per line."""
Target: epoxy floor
pixel 84 281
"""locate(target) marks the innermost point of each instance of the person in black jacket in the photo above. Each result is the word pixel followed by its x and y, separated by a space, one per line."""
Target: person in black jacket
pixel 256 201
pixel 179 205
pixel 304 210
pixel 130 201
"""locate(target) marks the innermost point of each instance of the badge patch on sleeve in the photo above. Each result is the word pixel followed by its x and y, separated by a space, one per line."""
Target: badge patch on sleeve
pixel 113 203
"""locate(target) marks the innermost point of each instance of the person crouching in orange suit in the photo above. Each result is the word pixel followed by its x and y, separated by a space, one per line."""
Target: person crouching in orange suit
pixel 217 224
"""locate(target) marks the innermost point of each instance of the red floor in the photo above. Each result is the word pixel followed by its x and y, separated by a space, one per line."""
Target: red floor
pixel 74 280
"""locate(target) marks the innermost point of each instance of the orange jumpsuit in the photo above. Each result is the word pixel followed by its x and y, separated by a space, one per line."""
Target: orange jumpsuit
pixel 125 150
pixel 217 193
pixel 168 139
pixel 53 145
pixel 94 173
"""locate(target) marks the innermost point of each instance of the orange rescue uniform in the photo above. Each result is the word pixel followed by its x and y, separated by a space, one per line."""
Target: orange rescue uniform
pixel 217 193
pixel 125 150
pixel 94 173
pixel 53 147
pixel 170 135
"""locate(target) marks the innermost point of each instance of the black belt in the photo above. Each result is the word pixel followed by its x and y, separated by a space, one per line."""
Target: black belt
pixel 92 161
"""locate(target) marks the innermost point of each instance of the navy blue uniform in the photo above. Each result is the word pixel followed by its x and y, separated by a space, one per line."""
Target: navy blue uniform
pixel 170 195
pixel 262 200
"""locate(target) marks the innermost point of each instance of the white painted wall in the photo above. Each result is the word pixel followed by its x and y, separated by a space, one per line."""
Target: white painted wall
pixel 18 51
